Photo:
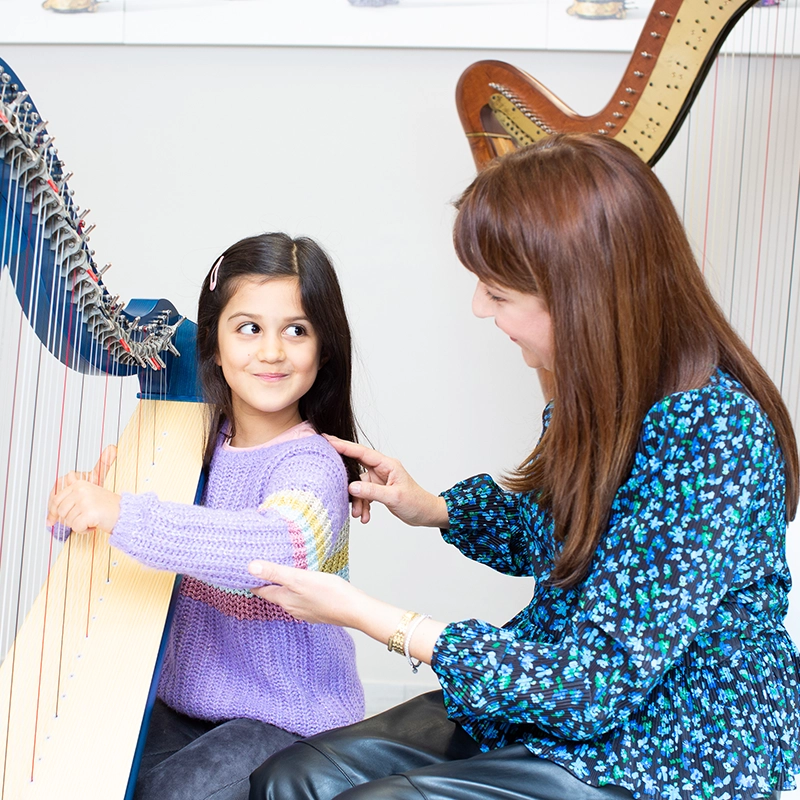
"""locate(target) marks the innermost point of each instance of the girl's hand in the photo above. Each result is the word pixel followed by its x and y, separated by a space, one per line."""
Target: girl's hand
pixel 310 596
pixel 386 481
pixel 79 502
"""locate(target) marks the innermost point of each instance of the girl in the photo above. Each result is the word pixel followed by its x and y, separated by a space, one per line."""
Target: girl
pixel 652 660
pixel 241 678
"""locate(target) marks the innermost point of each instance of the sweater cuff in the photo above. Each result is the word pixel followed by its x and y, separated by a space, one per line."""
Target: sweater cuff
pixel 133 519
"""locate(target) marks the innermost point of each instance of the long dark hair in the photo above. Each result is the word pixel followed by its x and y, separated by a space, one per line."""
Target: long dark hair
pixel 328 404
pixel 581 221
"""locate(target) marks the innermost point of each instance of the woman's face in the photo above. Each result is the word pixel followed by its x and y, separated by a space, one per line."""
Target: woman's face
pixel 523 317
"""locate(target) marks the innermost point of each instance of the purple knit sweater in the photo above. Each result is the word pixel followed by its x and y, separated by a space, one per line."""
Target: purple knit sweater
pixel 231 654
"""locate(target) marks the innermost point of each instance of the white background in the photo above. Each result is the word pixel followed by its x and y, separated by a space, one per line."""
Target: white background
pixel 180 151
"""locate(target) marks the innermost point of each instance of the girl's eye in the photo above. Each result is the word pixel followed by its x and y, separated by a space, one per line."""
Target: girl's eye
pixel 295 330
pixel 249 328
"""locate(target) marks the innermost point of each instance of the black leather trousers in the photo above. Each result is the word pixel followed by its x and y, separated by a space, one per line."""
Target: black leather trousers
pixel 413 752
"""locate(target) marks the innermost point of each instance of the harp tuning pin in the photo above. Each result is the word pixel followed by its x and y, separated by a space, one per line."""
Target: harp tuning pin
pixel 624 103
pixel 630 91
pixel 664 14
pixel 610 125
pixel 655 34
pixel 617 115
pixel 602 130
pixel 645 54
pixel 638 74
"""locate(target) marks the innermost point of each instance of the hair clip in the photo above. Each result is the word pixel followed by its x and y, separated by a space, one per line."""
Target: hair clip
pixel 212 280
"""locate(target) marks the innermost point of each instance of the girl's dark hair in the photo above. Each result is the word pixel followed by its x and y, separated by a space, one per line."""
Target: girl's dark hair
pixel 328 404
pixel 580 220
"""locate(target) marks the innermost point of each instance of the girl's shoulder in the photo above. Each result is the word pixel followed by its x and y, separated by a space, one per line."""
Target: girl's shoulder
pixel 302 442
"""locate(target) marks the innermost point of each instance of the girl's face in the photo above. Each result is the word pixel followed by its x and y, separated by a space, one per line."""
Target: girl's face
pixel 524 317
pixel 269 354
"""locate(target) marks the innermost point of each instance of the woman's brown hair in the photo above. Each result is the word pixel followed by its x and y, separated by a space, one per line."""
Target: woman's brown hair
pixel 581 221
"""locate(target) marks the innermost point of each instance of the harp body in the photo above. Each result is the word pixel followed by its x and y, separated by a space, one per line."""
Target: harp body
pixel 75 684
pixel 502 107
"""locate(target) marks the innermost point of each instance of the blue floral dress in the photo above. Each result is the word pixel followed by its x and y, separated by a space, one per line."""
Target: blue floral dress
pixel 668 670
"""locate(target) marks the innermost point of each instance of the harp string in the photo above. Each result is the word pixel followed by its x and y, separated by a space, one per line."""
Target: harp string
pixel 734 172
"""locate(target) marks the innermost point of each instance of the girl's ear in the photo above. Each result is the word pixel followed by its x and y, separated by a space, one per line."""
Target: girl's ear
pixel 217 359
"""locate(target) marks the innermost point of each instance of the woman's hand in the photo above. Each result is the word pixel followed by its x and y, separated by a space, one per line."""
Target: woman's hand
pixel 386 481
pixel 322 597
pixel 79 501
pixel 310 596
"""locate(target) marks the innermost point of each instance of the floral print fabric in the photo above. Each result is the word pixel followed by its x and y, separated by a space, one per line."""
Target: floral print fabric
pixel 668 670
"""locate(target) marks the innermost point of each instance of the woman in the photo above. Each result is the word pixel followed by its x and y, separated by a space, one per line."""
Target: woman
pixel 652 660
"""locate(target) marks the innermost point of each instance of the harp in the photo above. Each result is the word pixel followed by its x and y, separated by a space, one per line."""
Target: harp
pixel 502 107
pixel 92 635
pixel 732 165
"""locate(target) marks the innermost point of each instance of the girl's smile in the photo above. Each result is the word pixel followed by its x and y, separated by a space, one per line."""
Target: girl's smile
pixel 269 354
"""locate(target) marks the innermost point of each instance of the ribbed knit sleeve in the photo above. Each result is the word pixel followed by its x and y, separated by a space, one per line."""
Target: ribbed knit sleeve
pixel 287 504
pixel 704 475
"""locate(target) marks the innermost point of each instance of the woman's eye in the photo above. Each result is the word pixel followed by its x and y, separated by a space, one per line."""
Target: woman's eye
pixel 295 330
pixel 249 328
pixel 493 297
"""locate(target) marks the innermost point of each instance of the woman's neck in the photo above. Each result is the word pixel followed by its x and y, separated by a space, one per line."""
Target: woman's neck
pixel 253 430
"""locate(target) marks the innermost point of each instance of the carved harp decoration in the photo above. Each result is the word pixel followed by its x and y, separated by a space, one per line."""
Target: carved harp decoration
pixel 502 107
pixel 80 654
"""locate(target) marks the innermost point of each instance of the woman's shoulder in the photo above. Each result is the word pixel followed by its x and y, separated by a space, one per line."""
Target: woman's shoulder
pixel 721 409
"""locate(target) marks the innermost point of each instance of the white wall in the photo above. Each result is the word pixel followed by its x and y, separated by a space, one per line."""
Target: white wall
pixel 181 151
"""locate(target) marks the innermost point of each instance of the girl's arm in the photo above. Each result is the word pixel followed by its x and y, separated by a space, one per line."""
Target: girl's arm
pixel 300 522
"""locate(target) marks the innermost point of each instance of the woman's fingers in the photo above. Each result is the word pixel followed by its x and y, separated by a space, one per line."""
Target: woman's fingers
pixel 364 455
pixel 368 491
pixel 361 509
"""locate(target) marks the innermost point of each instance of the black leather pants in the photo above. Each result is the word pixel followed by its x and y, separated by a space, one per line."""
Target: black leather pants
pixel 411 752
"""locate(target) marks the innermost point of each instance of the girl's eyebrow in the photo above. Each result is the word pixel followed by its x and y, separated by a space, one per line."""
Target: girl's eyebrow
pixel 255 316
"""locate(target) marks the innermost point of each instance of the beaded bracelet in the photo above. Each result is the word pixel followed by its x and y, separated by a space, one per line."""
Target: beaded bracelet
pixel 413 663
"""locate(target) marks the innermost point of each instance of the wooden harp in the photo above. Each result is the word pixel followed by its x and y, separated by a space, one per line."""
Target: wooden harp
pixel 502 107
pixel 92 636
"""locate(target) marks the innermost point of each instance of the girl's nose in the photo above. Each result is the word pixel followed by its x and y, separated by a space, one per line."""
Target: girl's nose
pixel 271 349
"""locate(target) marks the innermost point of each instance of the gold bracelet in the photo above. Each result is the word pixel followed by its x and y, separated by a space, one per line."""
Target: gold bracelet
pixel 397 640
